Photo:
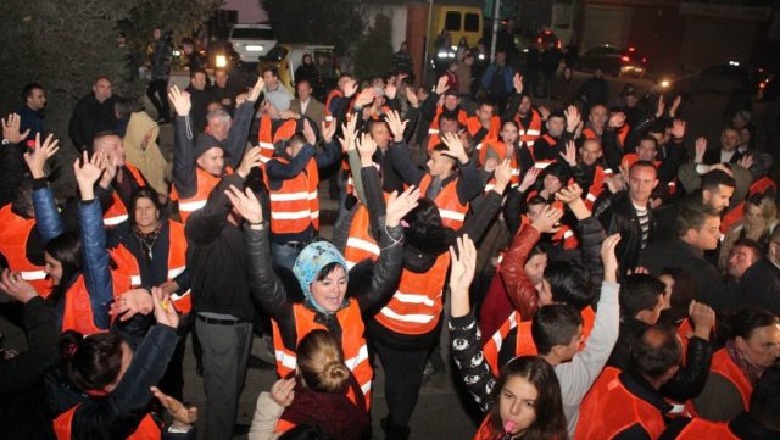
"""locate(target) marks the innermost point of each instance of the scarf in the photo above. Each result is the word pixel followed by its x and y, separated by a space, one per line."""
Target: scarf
pixel 146 241
pixel 333 412
pixel 752 372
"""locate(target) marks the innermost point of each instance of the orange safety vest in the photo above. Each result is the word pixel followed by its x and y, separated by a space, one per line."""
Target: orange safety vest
pixel 485 431
pixel 762 186
pixel 415 308
pixel 353 343
pixel 127 263
pixel 295 205
pixel 609 408
pixel 13 245
pixel 463 119
pixel 503 153
pixel 473 126
pixel 204 182
pixel 147 429
pixel 452 212
pixel 360 243
pixel 622 134
pixel 117 212
pixel 698 429
pixel 335 93
pixel 597 186
pixel 265 138
pixel 525 345
pixel 723 365
pixel 530 134
pixel 77 312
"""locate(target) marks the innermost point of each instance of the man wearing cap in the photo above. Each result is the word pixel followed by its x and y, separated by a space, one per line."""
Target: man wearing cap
pixel 198 165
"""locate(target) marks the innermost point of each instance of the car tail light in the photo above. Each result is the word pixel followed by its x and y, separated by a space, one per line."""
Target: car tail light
pixel 625 58
pixel 631 49
pixel 559 45
pixel 644 59
pixel 761 85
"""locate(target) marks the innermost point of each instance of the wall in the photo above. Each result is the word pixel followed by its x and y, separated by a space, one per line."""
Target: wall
pixel 249 11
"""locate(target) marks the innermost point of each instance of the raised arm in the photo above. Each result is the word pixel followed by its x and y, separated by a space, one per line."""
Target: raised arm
pixel 48 221
pixel 464 332
pixel 469 183
pixel 387 270
pixel 479 221
pixel 183 145
pixel 265 285
pixel 235 144
pixel 95 266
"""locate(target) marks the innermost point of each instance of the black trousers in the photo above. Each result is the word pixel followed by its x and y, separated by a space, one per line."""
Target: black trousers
pixel 158 94
pixel 403 379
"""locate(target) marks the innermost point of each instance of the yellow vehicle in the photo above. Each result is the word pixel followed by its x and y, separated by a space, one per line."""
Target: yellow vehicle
pixel 450 25
pixel 287 57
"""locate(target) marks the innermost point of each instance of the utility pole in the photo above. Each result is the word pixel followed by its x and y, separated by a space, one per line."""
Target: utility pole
pixel 427 43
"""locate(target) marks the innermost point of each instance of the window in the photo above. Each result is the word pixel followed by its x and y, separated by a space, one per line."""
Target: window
pixel 471 23
pixel 452 21
pixel 252 34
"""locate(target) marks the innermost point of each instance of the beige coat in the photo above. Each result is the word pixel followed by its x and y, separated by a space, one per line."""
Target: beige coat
pixel 266 416
pixel 140 143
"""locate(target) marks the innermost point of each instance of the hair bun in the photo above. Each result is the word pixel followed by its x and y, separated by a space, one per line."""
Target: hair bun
pixel 335 375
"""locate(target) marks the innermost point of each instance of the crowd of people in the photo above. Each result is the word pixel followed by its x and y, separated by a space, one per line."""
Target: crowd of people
pixel 602 273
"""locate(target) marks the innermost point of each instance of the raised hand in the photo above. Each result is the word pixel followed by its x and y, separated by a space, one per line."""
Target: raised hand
pixel 365 98
pixel 442 86
pixel 455 147
pixel 678 129
pixel 246 204
pixel 517 83
pixel 411 96
pixel 659 110
pixel 89 170
pixel 547 220
pixel 617 120
pixel 349 130
pixel 12 129
pixel 391 90
pixel 569 194
pixel 110 168
pixel 16 287
pixel 570 156
pixel 675 106
pixel 397 127
pixel 366 147
pixel 256 90
pixel 179 412
pixel 746 161
pixel 703 318
pixel 398 205
pixel 308 133
pixel 464 263
pixel 164 312
pixel 529 179
pixel 252 159
pixel 573 118
pixel 328 130
pixel 283 392
pixel 701 148
pixel 350 88
pixel 608 257
pixel 503 174
pixel 36 160
pixel 544 112
pixel 180 100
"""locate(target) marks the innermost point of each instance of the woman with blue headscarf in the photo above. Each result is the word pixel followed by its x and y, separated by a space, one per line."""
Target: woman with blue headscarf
pixel 321 276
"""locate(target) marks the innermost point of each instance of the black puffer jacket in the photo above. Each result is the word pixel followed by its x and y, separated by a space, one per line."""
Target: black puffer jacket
pixel 617 214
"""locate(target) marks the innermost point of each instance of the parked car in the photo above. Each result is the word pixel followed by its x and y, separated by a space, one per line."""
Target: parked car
pixel 252 41
pixel 724 79
pixel 613 61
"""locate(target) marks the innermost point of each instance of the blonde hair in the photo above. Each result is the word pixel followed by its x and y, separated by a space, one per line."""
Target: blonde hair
pixel 321 362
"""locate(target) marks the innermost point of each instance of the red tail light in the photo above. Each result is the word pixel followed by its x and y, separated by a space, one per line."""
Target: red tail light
pixel 625 58
pixel 644 59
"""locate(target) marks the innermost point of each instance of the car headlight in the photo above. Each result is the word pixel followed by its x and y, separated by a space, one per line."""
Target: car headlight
pixel 254 47
pixel 220 61
pixel 665 83
pixel 442 54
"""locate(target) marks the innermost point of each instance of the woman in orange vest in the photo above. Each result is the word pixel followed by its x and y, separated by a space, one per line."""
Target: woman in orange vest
pixel 105 383
pixel 753 347
pixel 317 395
pixel 320 274
pixel 77 266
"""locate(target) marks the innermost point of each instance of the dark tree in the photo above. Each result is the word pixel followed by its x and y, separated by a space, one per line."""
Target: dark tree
pixel 335 22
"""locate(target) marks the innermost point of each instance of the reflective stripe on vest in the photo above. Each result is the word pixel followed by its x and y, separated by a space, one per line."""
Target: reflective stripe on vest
pixel 204 183
pixel 452 212
pixel 117 212
pixel 415 308
pixel 14 233
pixel 295 205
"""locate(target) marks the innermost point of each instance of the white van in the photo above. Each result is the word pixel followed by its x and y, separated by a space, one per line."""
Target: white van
pixel 252 41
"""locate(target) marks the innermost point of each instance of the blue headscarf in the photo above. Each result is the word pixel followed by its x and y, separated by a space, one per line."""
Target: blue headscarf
pixel 309 264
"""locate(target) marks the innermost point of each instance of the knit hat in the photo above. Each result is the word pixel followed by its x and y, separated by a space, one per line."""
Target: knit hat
pixel 309 264
pixel 204 142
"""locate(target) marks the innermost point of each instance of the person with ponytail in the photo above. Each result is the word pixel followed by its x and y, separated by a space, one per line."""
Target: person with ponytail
pixel 316 396
pixel 107 385
pixel 78 266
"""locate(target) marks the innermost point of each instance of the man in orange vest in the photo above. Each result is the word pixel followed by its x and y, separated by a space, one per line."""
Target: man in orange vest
pixel 120 181
pixel 199 162
pixel 627 404
pixel 294 199
pixel 529 120
pixel 485 125
pixel 442 101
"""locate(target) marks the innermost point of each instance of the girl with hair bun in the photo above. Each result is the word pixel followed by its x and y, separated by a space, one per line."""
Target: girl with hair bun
pixel 316 397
